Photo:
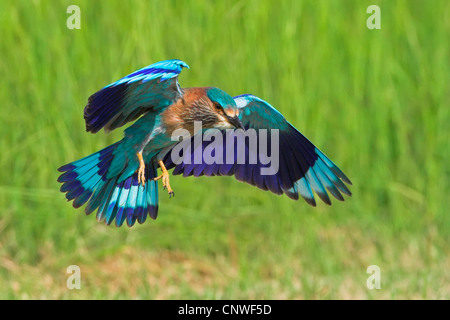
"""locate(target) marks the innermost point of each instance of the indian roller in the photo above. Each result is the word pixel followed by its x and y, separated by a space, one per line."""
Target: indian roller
pixel 121 180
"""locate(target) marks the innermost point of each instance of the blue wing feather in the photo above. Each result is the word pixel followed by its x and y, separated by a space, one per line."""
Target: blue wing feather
pixel 150 88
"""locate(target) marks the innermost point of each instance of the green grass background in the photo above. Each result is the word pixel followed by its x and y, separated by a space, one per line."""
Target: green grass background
pixel 375 101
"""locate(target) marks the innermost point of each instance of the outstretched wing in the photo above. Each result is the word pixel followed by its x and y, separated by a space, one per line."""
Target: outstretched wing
pixel 302 167
pixel 148 89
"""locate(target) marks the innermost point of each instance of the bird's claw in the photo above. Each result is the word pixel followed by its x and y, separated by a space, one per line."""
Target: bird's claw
pixel 141 170
pixel 165 181
pixel 141 175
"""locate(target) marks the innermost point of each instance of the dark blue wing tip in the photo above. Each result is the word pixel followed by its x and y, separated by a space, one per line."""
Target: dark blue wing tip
pixel 153 212
pixel 347 180
pixel 66 167
pixel 310 201
pixel 324 197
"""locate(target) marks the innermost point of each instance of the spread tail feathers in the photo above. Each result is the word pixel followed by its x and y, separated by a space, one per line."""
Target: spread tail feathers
pixel 85 181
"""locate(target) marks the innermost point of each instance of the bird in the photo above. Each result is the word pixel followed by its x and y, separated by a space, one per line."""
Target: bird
pixel 120 182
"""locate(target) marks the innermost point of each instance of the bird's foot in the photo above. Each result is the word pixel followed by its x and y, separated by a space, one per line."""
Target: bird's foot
pixel 141 175
pixel 141 170
pixel 165 179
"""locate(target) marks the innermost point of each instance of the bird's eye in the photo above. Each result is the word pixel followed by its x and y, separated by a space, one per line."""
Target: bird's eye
pixel 218 107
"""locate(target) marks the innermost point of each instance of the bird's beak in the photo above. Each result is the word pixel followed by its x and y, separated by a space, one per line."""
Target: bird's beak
pixel 236 122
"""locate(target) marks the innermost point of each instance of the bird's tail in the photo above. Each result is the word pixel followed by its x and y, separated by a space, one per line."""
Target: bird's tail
pixel 85 180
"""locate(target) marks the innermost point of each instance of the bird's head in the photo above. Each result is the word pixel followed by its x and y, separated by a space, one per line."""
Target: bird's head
pixel 223 110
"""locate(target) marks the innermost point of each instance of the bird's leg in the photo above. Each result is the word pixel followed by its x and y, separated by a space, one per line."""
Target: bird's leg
pixel 141 170
pixel 165 178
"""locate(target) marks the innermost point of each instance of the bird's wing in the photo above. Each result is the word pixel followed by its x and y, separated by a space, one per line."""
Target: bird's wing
pixel 302 167
pixel 148 89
